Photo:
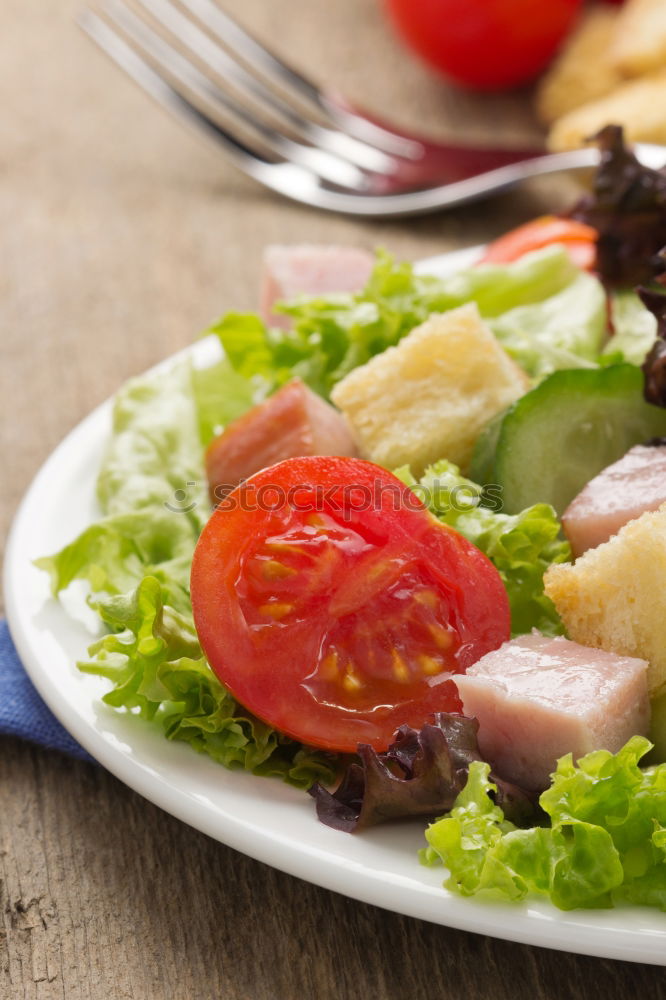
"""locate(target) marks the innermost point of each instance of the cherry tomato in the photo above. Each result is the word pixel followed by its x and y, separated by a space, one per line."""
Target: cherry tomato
pixel 579 239
pixel 485 44
pixel 334 607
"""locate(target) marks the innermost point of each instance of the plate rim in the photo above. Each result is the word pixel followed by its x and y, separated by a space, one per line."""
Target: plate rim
pixel 582 932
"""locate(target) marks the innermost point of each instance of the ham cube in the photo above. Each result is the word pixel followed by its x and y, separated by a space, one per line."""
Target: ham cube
pixel 290 271
pixel 620 493
pixel 290 423
pixel 537 698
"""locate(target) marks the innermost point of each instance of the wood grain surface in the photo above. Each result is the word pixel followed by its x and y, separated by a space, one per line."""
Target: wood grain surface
pixel 121 236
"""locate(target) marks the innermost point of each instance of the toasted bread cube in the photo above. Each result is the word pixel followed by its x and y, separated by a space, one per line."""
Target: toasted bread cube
pixel 430 396
pixel 583 69
pixel 638 105
pixel 614 596
pixel 640 37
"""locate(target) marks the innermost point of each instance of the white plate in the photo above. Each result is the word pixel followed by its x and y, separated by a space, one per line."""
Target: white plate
pixel 259 816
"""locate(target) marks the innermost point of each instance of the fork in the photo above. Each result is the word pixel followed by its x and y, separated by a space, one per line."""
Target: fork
pixel 282 130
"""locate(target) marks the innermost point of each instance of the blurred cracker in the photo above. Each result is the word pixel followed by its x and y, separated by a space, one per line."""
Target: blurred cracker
pixel 639 45
pixel 583 70
pixel 639 105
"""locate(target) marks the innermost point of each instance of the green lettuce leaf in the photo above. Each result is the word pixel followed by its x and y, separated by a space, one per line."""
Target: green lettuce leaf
pixel 467 839
pixel 221 394
pixel 332 335
pixel 635 329
pixel 154 449
pixel 606 843
pixel 114 554
pixel 521 546
pixel 154 661
pixel 496 288
pixel 566 330
pixel 151 487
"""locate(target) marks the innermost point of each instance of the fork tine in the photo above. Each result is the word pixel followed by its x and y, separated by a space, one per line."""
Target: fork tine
pixel 250 86
pixel 300 87
pixel 286 178
pixel 170 61
pixel 158 88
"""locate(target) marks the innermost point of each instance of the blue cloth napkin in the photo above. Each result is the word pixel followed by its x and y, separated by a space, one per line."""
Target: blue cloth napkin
pixel 22 712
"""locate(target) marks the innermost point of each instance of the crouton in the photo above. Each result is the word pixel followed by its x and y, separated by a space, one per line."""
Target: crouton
pixel 638 105
pixel 613 597
pixel 583 70
pixel 639 44
pixel 430 396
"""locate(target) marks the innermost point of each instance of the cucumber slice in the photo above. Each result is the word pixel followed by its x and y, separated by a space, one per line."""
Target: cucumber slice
pixel 557 437
pixel 658 730
pixel 482 466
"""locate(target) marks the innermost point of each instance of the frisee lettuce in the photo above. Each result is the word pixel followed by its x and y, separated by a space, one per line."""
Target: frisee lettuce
pixel 521 546
pixel 606 843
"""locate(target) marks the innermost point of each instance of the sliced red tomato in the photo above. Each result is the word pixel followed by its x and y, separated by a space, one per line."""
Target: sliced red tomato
pixel 334 607
pixel 579 239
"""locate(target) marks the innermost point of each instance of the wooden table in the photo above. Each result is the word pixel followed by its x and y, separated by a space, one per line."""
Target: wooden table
pixel 121 236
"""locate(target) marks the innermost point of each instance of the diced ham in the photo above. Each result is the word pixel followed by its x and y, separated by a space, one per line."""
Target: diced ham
pixel 620 493
pixel 292 422
pixel 537 698
pixel 311 270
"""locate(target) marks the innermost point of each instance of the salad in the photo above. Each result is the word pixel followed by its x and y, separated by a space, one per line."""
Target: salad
pixel 318 636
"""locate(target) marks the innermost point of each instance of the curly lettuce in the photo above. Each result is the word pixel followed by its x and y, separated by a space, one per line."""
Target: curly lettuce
pixel 606 843
pixel 154 662
pixel 329 336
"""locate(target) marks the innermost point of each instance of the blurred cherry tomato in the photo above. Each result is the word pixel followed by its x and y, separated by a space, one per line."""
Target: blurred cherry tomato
pixel 579 239
pixel 485 44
